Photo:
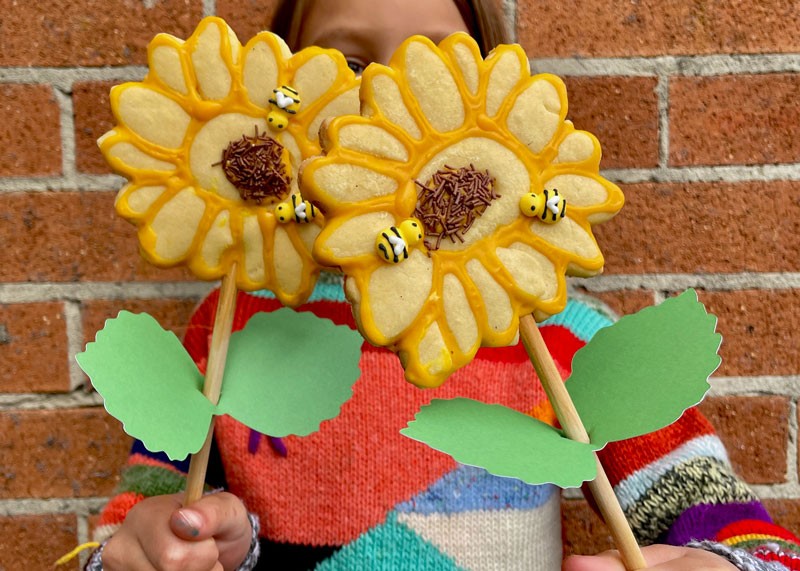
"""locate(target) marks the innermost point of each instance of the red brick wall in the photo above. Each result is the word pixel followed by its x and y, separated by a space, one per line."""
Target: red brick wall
pixel 694 104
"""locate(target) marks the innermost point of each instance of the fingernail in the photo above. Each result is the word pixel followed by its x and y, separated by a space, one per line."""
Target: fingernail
pixel 191 520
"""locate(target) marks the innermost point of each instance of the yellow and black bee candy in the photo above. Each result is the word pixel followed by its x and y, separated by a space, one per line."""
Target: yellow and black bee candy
pixel 296 208
pixel 285 102
pixel 393 242
pixel 548 206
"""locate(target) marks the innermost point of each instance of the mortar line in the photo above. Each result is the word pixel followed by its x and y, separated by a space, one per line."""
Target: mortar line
pixel 784 491
pixel 67 131
pixel 83 537
pixel 662 90
pixel 510 16
pixel 74 323
pixel 64 78
pixel 35 506
pixel 763 385
pixel 79 398
pixel 65 183
pixel 27 292
pixel 670 282
pixel 791 451
pixel 209 8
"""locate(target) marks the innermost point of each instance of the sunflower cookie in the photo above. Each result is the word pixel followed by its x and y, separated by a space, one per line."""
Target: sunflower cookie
pixel 211 141
pixel 457 202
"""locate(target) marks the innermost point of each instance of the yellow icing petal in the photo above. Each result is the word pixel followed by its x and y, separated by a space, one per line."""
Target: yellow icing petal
pixel 460 319
pixel 568 236
pixel 499 312
pixel 387 99
pixel 253 248
pixel 372 140
pixel 260 75
pixel 535 117
pixel 576 147
pixel 578 190
pixel 218 239
pixel 290 144
pixel 288 263
pixel 143 198
pixel 351 183
pixel 356 236
pixel 165 62
pixel 504 76
pixel 433 87
pixel 176 224
pixel 210 69
pixel 207 149
pixel 308 233
pixel 395 299
pixel 314 78
pixel 152 116
pixel 532 271
pixel 133 159
pixel 344 104
pixel 467 63
pixel 433 352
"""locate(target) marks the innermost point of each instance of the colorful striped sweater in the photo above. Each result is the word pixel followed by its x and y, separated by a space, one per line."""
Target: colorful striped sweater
pixel 358 495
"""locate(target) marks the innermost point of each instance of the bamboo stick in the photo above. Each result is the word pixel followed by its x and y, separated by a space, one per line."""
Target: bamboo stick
pixel 212 385
pixel 570 421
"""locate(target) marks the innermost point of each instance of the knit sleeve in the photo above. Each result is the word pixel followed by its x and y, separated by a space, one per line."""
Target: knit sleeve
pixel 676 485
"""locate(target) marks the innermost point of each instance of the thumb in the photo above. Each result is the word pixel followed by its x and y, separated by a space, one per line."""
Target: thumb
pixel 608 561
pixel 221 515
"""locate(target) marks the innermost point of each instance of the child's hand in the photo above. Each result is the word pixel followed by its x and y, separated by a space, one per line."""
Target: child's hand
pixel 658 557
pixel 213 534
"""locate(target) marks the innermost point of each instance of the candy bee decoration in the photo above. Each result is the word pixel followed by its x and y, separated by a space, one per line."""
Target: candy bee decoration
pixel 211 141
pixel 471 148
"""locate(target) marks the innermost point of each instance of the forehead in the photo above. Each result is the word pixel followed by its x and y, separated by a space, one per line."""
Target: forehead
pixel 378 20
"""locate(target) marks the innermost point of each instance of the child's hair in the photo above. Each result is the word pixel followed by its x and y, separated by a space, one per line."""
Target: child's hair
pixel 484 21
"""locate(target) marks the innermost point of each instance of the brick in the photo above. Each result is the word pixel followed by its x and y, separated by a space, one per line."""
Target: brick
pixel 37 541
pixel 60 453
pixel 247 18
pixel 65 33
pixel 596 28
pixel 704 228
pixel 30 132
pixel 785 512
pixel 583 531
pixel 734 119
pixel 92 112
pixel 33 348
pixel 623 302
pixel 760 331
pixel 622 112
pixel 172 314
pixel 755 431
pixel 71 237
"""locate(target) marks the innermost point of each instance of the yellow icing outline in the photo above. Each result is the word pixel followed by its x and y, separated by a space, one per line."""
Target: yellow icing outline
pixel 201 111
pixel 401 204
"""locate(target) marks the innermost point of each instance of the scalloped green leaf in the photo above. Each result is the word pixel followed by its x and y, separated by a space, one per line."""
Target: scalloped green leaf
pixel 641 373
pixel 503 441
pixel 288 371
pixel 149 383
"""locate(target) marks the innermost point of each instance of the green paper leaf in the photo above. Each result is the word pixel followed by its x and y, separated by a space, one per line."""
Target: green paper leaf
pixel 640 374
pixel 503 441
pixel 149 383
pixel 288 371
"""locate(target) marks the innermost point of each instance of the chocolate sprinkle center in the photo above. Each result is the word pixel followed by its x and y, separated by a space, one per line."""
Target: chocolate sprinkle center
pixel 254 166
pixel 451 201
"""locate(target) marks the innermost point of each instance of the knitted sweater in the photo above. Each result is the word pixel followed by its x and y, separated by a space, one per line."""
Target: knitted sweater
pixel 358 495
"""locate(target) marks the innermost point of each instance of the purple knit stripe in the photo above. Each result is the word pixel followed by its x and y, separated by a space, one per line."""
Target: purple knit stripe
pixel 704 521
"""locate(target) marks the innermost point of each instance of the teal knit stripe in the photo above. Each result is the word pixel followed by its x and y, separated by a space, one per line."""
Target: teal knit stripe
pixel 388 547
pixel 151 481
pixel 580 319
pixel 328 288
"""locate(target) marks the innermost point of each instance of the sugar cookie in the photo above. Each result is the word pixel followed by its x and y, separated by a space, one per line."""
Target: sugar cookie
pixel 211 140
pixel 505 189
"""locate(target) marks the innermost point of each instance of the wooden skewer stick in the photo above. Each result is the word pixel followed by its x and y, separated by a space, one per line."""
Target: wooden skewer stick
pixel 573 427
pixel 212 386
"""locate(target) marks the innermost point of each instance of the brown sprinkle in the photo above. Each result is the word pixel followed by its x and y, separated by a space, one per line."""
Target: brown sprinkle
pixel 451 202
pixel 255 167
